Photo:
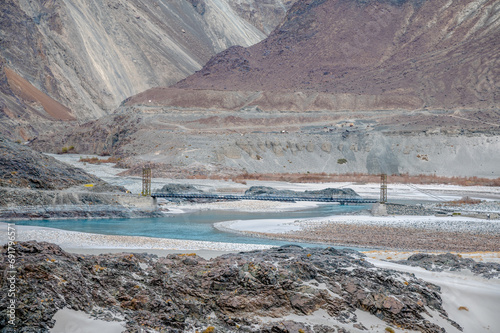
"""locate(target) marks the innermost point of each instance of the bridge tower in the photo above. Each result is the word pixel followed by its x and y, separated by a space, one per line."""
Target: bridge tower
pixel 146 182
pixel 383 188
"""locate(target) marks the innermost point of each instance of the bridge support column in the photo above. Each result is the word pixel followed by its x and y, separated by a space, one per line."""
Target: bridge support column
pixel 379 209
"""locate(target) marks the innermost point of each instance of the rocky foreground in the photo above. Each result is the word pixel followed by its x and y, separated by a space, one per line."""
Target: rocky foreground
pixel 276 290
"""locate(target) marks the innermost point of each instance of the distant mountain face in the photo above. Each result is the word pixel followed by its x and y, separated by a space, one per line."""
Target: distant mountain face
pixel 413 54
pixel 85 57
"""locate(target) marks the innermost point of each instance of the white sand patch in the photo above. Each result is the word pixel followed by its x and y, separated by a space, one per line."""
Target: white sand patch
pixel 242 206
pixel 68 320
pixel 480 296
pixel 275 226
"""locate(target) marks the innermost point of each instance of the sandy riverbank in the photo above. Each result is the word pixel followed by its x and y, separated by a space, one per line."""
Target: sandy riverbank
pixel 88 243
pixel 450 233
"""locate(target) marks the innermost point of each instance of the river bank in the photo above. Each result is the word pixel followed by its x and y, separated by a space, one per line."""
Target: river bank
pixel 404 233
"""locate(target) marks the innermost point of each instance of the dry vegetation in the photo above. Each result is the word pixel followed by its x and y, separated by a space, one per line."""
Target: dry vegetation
pixel 463 201
pixel 96 160
pixel 351 177
pixel 367 178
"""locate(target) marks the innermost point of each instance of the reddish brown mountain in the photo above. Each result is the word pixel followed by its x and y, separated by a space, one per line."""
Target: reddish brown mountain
pixel 363 54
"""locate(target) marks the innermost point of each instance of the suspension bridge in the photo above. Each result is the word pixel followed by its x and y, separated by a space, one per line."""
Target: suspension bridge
pixel 341 199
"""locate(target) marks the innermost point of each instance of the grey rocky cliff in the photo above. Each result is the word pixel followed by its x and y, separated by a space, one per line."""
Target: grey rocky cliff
pixel 34 185
pixel 22 167
pixel 233 292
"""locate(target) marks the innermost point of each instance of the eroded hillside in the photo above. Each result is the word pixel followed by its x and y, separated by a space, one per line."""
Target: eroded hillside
pixel 364 55
pixel 88 56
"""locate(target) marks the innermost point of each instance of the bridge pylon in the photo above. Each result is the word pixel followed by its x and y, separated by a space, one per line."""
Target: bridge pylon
pixel 146 182
pixel 383 188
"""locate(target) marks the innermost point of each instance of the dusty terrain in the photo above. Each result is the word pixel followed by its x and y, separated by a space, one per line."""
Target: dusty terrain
pixel 200 142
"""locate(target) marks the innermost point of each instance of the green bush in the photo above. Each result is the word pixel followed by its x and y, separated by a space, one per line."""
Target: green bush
pixel 341 161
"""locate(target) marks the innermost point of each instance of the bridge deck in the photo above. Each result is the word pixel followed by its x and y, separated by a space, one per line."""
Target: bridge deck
pixel 342 200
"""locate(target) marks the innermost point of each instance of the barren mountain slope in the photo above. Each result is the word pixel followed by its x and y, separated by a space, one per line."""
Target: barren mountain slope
pixel 90 55
pixel 418 95
pixel 377 54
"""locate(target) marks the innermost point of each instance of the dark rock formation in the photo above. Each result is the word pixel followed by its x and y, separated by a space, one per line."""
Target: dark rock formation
pixel 37 186
pixel 20 166
pixel 186 292
pixel 179 188
pixel 326 193
pixel 452 262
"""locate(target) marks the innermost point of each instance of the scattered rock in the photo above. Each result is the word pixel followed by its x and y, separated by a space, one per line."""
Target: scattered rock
pixel 453 262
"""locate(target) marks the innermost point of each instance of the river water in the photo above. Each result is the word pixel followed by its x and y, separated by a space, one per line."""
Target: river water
pixel 192 226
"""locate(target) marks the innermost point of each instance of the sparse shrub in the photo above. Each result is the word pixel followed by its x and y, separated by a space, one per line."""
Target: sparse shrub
pixel 209 329
pixel 95 160
pixel 463 201
pixel 389 329
pixel 341 161
pixel 64 150
pixel 463 308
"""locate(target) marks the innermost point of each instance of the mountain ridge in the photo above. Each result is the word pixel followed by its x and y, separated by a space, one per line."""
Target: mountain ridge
pixel 90 56
pixel 443 53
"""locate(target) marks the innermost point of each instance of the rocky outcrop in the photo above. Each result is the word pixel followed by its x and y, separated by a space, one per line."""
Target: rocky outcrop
pixel 228 293
pixel 179 188
pixel 37 186
pixel 20 166
pixel 452 262
pixel 73 203
pixel 325 193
